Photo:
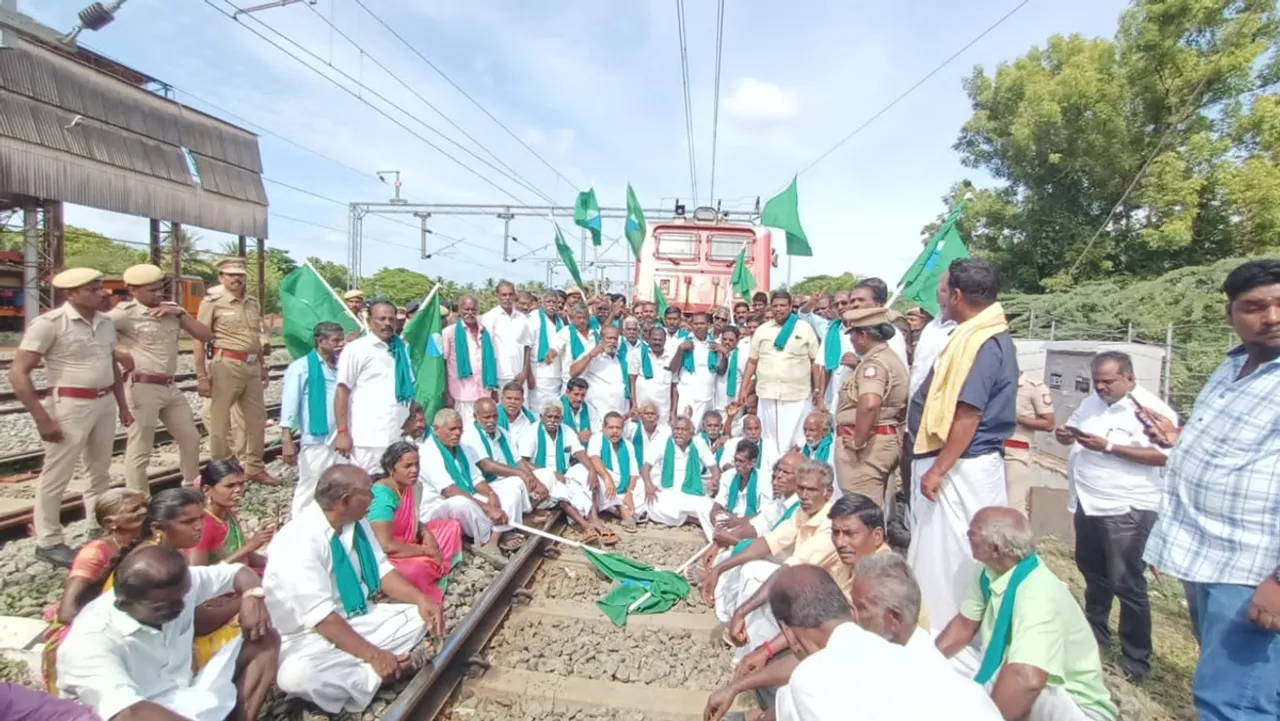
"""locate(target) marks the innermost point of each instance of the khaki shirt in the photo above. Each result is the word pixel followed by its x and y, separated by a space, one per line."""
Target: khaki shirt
pixel 882 373
pixel 806 539
pixel 784 375
pixel 236 322
pixel 76 352
pixel 1033 399
pixel 153 342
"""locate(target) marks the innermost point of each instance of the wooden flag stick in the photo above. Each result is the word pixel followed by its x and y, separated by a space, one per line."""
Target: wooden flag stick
pixel 683 567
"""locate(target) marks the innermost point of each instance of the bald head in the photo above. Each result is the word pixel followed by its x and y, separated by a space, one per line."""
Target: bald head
pixel 791 460
pixel 486 405
pixel 147 568
pixel 339 483
pixel 816 426
pixel 807 597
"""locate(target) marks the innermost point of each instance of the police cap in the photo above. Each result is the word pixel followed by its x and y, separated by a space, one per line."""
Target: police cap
pixel 144 274
pixel 73 278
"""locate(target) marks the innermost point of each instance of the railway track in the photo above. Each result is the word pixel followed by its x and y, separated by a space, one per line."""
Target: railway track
pixel 9 402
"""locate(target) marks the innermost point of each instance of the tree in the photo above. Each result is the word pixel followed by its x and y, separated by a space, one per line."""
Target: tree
pixel 334 273
pixel 827 284
pixel 399 285
pixel 1066 128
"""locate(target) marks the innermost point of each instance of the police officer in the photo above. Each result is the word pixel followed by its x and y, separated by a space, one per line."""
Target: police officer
pixel 149 328
pixel 237 372
pixel 205 390
pixel 871 407
pixel 354 300
pixel 1035 413
pixel 76 342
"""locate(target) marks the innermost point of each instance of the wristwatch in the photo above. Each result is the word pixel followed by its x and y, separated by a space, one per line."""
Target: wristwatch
pixel 1109 448
pixel 254 593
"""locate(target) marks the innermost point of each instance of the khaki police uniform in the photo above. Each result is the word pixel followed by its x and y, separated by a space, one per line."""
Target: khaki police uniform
pixel 235 372
pixel 1034 399
pixel 153 344
pixel 881 373
pixel 80 373
pixel 237 418
pixel 346 298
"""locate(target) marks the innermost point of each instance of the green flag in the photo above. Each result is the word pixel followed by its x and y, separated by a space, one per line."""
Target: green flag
pixel 742 281
pixel 660 301
pixel 566 256
pixel 635 579
pixel 586 214
pixel 783 211
pixel 426 354
pixel 920 283
pixel 306 299
pixel 635 222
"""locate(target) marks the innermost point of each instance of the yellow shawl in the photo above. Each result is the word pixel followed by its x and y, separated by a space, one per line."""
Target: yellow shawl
pixel 950 372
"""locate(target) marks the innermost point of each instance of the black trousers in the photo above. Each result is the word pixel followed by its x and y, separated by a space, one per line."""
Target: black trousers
pixel 1109 556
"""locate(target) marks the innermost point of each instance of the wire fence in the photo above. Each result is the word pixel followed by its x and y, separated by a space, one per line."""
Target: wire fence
pixel 1192 351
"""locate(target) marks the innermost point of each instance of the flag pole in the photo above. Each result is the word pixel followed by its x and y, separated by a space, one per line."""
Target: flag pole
pixel 680 570
pixel 901 283
pixel 335 295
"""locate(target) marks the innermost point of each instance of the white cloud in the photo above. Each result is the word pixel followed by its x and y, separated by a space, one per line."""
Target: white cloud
pixel 761 101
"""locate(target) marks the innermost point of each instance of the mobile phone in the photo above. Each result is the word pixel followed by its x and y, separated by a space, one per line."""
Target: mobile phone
pixel 1142 418
pixel 1074 431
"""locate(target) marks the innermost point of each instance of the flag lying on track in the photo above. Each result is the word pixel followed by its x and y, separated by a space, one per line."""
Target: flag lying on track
pixel 566 257
pixel 742 281
pixel 422 335
pixel 586 214
pixel 634 580
pixel 306 299
pixel 783 212
pixel 920 283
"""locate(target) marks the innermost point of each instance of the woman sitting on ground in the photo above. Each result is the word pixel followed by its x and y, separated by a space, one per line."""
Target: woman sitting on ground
pixel 221 538
pixel 423 553
pixel 119 513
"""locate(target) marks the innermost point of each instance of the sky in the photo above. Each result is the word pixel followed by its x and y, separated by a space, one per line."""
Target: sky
pixel 563 96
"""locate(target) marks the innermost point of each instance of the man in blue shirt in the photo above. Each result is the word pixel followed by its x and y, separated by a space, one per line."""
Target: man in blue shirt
pixel 959 419
pixel 301 393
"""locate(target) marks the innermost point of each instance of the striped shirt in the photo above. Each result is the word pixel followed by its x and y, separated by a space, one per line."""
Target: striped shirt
pixel 1221 517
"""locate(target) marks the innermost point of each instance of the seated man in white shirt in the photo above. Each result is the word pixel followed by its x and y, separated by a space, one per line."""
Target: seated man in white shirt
pixel 654 379
pixel 817 438
pixel 513 415
pixel 712 433
pixel 673 479
pixel 620 490
pixel 453 486
pixel 752 431
pixel 610 377
pixel 575 409
pixel 742 493
pixel 324 569
pixel 732 534
pixel 647 430
pixel 497 456
pixel 549 449
pixel 128 656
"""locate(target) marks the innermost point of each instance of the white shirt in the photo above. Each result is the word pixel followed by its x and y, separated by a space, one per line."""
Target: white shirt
pixel 529 444
pixel 700 385
pixel 510 333
pixel 521 425
pixel 897 344
pixel 368 371
pixel 722 494
pixel 722 382
pixel 767 455
pixel 434 478
pixel 555 342
pixel 607 381
pixel 1104 484
pixel 566 334
pixel 861 675
pixel 658 438
pixel 656 457
pixel 109 661
pixel 595 445
pixel 475 444
pixel 933 338
pixel 657 389
pixel 841 371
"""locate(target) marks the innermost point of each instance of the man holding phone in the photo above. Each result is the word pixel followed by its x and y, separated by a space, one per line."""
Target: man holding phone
pixel 1114 475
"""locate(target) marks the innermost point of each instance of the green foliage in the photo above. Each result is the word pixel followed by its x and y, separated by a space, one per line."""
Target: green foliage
pixel 829 283
pixel 401 286
pixel 335 274
pixel 1066 128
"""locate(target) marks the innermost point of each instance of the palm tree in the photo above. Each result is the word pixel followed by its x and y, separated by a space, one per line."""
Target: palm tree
pixel 185 244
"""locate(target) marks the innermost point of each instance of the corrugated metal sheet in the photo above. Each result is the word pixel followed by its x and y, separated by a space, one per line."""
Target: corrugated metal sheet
pixel 125 154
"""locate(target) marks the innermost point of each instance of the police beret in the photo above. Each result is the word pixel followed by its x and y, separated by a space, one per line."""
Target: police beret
pixel 144 274
pixel 75 277
pixel 232 266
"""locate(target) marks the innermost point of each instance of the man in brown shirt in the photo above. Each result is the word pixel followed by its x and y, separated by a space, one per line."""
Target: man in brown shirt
pixel 237 373
pixel 148 329
pixel 871 406
pixel 78 418
pixel 1034 413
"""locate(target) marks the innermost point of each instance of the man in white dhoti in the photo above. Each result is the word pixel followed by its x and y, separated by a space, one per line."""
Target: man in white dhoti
pixel 470 360
pixel 696 365
pixel 548 450
pixel 620 490
pixel 324 569
pixel 805 537
pixel 128 656
pixel 497 458
pixel 514 416
pixel 654 378
pixel 453 486
pixel 310 383
pixel 1037 656
pixel 375 387
pixel 959 420
pixel 546 349
pixel 610 377
pixel 509 328
pixel 673 479
pixel 781 369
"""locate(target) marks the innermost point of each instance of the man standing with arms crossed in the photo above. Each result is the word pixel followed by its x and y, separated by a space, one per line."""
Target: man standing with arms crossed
pixel 237 372
pixel 75 341
pixel 149 328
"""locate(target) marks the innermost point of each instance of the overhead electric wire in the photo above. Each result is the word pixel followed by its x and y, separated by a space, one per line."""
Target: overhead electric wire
pixel 715 113
pixel 465 94
pixel 688 100
pixel 915 86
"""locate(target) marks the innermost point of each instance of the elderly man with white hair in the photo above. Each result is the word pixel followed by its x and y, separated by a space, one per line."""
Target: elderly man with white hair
pixel 672 477
pixel 556 457
pixel 1050 669
pixel 453 486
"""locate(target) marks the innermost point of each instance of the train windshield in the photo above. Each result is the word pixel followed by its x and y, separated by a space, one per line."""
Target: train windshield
pixel 724 247
pixel 677 244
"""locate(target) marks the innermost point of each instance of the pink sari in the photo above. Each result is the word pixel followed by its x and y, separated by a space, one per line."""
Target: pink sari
pixel 424 573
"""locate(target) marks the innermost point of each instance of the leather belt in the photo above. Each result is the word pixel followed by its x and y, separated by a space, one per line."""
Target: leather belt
pixel 83 393
pixel 152 379
pixel 1020 445
pixel 848 430
pixel 235 355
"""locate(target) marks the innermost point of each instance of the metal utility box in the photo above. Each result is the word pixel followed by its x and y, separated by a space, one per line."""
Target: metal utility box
pixel 1063 366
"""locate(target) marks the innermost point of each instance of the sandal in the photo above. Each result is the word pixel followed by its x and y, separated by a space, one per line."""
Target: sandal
pixel 628 524
pixel 608 537
pixel 536 518
pixel 590 536
pixel 511 542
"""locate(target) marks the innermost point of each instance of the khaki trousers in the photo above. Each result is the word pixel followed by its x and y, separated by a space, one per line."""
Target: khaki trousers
pixel 88 431
pixel 237 426
pixel 152 404
pixel 1017 478
pixel 867 472
pixel 237 384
